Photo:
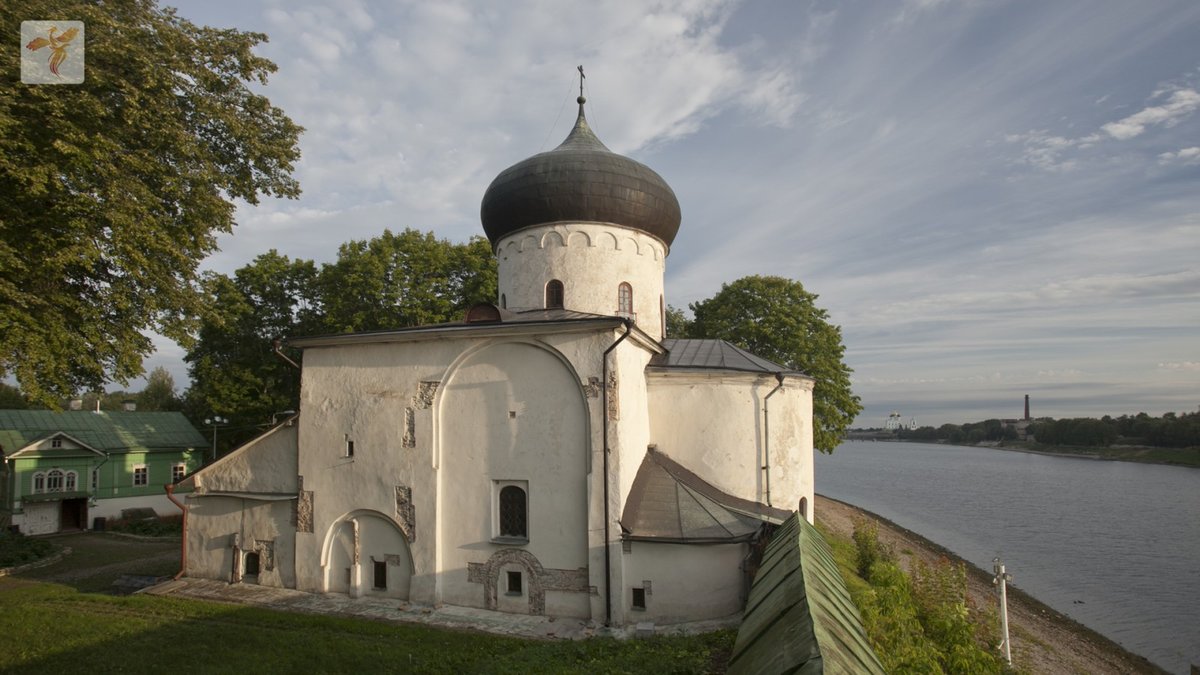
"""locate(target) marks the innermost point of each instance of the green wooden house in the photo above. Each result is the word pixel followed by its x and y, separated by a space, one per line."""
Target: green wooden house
pixel 61 470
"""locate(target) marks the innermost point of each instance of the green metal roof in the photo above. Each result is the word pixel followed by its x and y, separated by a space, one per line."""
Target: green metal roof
pixel 799 617
pixel 106 431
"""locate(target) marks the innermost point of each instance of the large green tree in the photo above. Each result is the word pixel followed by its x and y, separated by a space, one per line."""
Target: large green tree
pixel 235 371
pixel 777 319
pixel 407 279
pixel 112 191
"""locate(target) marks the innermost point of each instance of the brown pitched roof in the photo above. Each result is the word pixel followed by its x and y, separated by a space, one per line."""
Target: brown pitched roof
pixel 670 503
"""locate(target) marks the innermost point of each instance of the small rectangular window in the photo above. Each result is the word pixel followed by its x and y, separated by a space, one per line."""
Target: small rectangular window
pixel 349 448
pixel 141 475
pixel 380 575
pixel 514 583
pixel 56 443
pixel 639 598
pixel 177 472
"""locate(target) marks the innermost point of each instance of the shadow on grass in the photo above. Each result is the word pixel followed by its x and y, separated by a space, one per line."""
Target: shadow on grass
pixel 52 628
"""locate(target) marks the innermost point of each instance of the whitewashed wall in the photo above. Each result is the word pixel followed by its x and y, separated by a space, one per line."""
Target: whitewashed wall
pixel 591 260
pixel 712 423
pixel 686 582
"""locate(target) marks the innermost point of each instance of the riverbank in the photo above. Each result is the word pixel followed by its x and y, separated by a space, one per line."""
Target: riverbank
pixel 1189 457
pixel 1043 639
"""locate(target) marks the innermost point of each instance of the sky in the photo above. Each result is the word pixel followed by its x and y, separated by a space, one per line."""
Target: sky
pixel 991 198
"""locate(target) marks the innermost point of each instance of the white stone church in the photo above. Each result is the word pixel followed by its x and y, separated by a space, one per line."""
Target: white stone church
pixel 553 454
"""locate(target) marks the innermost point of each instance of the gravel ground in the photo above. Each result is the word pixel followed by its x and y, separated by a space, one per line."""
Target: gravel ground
pixel 1043 639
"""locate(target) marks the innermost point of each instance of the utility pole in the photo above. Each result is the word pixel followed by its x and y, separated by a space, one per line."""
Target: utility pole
pixel 1001 581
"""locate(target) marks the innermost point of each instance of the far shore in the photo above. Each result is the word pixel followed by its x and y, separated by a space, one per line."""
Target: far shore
pixel 1190 457
pixel 1044 640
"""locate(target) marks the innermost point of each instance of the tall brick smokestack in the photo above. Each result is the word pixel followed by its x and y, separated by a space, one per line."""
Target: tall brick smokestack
pixel 1027 407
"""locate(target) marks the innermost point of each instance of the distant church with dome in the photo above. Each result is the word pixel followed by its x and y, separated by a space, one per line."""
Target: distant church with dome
pixel 555 453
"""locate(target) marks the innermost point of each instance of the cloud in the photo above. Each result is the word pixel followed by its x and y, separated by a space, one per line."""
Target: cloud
pixel 1046 151
pixel 1186 156
pixel 1180 104
pixel 1180 365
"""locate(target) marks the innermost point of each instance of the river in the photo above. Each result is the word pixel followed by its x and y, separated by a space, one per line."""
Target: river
pixel 1114 545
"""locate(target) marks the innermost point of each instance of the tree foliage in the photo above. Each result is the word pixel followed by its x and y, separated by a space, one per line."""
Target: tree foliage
pixel 775 318
pixel 235 372
pixel 113 191
pixel 406 279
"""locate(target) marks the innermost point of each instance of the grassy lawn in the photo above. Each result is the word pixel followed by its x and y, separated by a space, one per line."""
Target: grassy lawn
pixel 49 628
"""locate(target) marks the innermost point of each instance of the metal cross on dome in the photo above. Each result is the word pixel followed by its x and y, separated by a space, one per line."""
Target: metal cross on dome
pixel 581 78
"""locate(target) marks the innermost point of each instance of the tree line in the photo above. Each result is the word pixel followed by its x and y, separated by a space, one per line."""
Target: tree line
pixel 1172 430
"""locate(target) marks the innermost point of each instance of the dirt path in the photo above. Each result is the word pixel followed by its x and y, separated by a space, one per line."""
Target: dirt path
pixel 1043 640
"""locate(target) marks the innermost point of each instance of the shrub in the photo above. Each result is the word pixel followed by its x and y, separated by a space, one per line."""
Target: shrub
pixel 169 526
pixel 870 551
pixel 17 549
pixel 922 623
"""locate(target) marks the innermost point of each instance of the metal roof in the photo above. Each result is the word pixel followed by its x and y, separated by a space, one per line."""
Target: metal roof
pixel 714 354
pixel 580 181
pixel 669 503
pixel 523 320
pixel 107 431
pixel 799 617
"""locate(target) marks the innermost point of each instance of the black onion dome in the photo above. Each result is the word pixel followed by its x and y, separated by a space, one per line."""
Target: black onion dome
pixel 580 181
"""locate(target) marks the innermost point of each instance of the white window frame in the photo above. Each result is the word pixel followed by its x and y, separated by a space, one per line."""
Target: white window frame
pixel 56 443
pixel 145 469
pixel 71 481
pixel 497 487
pixel 39 483
pixel 178 471
pixel 55 479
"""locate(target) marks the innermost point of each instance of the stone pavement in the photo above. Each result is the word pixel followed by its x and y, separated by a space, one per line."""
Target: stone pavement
pixel 385 609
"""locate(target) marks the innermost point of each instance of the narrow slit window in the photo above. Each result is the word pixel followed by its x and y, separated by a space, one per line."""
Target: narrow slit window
pixel 625 299
pixel 514 583
pixel 349 448
pixel 554 294
pixel 380 575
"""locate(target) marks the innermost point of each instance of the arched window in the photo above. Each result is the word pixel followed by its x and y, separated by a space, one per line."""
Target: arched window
pixel 72 481
pixel 513 512
pixel 554 294
pixel 39 482
pixel 804 507
pixel 251 565
pixel 503 302
pixel 625 299
pixel 54 481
